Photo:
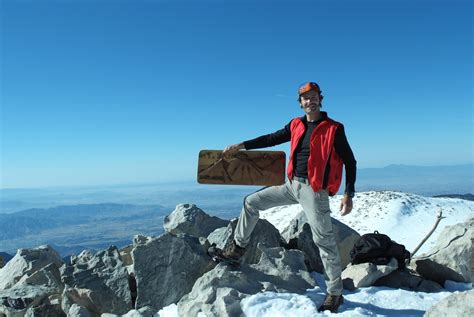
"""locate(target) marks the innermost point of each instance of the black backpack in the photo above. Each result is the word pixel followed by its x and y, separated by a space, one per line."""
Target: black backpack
pixel 378 248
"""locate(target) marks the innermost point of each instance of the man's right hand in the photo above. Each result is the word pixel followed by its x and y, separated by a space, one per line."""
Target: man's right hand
pixel 231 149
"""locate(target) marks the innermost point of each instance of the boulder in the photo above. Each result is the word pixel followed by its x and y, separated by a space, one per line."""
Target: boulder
pixel 166 268
pixel 299 236
pixel 26 262
pixel 457 304
pixel 50 309
pixel 17 301
pixel 97 282
pixel 126 255
pixel 78 311
pixel 264 233
pixel 408 280
pixel 219 292
pixel 49 276
pixel 31 284
pixel 452 257
pixel 189 219
pixel 219 236
pixel 365 274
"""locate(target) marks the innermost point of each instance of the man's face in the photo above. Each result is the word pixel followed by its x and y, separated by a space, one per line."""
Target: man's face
pixel 310 101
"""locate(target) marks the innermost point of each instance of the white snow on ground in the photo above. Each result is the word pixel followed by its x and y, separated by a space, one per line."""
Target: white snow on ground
pixel 168 311
pixel 405 217
pixel 368 301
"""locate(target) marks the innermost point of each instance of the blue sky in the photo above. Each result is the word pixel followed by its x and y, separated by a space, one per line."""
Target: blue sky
pixel 104 92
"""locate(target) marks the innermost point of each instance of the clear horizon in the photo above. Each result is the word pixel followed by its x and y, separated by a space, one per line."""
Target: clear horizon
pixel 194 180
pixel 118 92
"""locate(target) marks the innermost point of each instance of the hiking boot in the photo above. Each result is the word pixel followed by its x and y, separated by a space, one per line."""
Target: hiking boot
pixel 331 303
pixel 233 251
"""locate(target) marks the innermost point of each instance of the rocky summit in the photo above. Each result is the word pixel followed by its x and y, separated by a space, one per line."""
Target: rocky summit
pixel 174 268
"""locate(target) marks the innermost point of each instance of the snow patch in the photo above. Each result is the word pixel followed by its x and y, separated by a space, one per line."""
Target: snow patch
pixel 404 217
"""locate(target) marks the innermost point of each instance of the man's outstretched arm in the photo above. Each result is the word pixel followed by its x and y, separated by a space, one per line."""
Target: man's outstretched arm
pixel 272 139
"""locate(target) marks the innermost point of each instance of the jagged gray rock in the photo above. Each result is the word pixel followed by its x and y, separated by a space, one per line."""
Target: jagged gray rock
pixel 264 233
pixel 452 257
pixel 49 308
pixel 189 219
pixel 97 282
pixel 140 239
pixel 166 268
pixel 407 280
pixel 49 276
pixel 219 292
pixel 457 304
pixel 365 274
pixel 16 301
pixel 26 262
pixel 298 236
pixel 78 311
pixel 31 283
pixel 219 237
pixel 126 255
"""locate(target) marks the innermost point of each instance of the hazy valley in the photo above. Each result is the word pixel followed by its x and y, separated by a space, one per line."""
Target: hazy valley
pixel 75 218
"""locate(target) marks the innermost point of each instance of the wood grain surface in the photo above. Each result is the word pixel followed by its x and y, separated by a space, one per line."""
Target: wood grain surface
pixel 265 168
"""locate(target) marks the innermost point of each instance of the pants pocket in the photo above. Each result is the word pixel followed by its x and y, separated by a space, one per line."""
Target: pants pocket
pixel 322 201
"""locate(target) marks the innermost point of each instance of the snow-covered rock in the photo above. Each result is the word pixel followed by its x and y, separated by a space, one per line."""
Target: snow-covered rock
pixel 457 304
pixel 142 312
pixel 365 274
pixel 187 218
pixel 219 292
pixel 404 217
pixel 166 268
pixel 452 258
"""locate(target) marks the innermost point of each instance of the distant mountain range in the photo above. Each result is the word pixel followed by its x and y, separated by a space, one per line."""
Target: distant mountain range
pixel 6 257
pixel 465 197
pixel 70 229
pixel 95 217
pixel 215 198
pixel 422 180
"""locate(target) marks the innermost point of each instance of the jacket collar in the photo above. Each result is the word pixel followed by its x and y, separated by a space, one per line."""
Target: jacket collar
pixel 324 116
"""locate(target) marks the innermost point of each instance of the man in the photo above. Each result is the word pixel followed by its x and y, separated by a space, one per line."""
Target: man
pixel 319 148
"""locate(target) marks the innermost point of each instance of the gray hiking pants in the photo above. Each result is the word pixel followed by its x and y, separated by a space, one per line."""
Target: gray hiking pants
pixel 316 208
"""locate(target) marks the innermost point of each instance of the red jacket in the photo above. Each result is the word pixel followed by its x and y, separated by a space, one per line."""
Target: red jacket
pixel 322 154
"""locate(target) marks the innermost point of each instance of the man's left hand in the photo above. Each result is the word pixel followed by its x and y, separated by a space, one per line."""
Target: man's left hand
pixel 346 205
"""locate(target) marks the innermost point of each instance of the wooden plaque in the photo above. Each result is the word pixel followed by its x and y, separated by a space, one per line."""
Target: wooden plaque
pixel 265 168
